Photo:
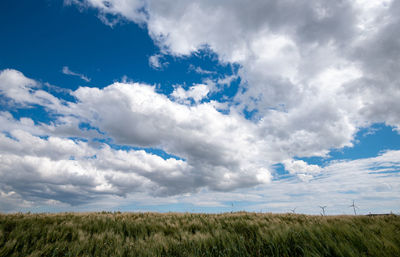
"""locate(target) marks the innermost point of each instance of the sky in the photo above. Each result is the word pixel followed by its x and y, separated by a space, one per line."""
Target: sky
pixel 200 106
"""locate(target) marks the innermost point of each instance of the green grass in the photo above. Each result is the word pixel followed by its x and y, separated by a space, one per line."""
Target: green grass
pixel 177 234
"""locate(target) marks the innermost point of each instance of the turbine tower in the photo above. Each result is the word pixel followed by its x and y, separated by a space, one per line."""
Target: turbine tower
pixel 354 208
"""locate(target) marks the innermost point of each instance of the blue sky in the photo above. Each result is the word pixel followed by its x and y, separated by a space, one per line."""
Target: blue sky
pixel 199 106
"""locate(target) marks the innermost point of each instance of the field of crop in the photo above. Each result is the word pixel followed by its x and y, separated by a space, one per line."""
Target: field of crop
pixel 185 234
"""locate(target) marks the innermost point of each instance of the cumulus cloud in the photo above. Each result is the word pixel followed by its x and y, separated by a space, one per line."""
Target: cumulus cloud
pixel 67 71
pixel 372 182
pixel 221 147
pixel 303 170
pixel 286 48
pixel 219 151
pixel 14 85
pixel 22 91
pixel 312 74
pixel 74 172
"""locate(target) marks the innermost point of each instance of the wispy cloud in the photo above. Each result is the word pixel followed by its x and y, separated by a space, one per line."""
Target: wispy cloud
pixel 200 70
pixel 156 62
pixel 67 71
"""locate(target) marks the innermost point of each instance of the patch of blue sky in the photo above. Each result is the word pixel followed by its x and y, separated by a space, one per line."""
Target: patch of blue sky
pixel 250 114
pixel 87 126
pixel 37 113
pixel 8 134
pixel 385 167
pixel 227 92
pixel 195 69
pixel 84 44
pixel 369 142
pixel 279 172
pixel 388 173
pixel 389 168
pixel 78 139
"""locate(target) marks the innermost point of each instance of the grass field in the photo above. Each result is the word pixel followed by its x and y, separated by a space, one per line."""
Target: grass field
pixel 185 234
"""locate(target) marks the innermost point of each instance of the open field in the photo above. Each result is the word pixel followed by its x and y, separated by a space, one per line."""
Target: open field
pixel 185 234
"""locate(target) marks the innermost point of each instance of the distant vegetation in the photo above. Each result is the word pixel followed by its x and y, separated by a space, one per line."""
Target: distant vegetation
pixel 177 234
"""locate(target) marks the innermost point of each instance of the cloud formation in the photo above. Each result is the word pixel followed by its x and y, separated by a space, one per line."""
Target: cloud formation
pixel 156 62
pixel 312 74
pixel 340 56
pixel 67 71
pixel 195 92
pixel 219 151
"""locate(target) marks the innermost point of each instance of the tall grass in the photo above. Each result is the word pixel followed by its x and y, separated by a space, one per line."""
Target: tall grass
pixel 177 234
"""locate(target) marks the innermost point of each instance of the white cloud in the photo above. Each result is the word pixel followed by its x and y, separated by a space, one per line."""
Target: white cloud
pixel 127 9
pixel 67 71
pixel 302 169
pixel 281 59
pixel 200 70
pixel 222 148
pixel 195 92
pixel 372 182
pixel 22 91
pixel 155 61
pixel 14 85
pixel 313 72
pixel 220 151
pixel 74 172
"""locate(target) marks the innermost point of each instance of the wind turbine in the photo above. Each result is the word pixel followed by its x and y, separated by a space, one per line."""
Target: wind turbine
pixel 323 209
pixel 354 208
pixel 293 210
